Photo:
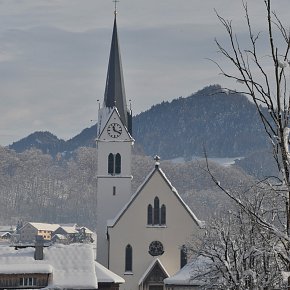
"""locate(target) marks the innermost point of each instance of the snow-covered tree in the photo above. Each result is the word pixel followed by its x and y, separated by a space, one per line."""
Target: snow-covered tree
pixel 242 253
pixel 262 70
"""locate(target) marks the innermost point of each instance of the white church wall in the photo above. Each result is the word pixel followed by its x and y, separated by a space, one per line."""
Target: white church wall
pixel 132 229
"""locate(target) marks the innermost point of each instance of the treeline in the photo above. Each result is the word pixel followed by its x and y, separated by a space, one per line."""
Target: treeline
pixel 37 187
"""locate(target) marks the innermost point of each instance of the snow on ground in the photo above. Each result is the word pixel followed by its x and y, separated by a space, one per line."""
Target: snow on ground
pixel 226 161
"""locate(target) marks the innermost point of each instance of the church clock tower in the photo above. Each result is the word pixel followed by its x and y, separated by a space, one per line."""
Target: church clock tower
pixel 114 144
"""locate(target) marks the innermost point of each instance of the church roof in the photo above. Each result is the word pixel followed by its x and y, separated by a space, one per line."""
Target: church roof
pixel 156 170
pixel 115 89
pixel 186 275
pixel 150 268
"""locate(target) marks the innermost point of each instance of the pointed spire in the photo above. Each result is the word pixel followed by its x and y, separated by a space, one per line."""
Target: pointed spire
pixel 115 89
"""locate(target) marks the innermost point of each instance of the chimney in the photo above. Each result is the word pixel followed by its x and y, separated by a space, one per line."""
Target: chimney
pixel 38 254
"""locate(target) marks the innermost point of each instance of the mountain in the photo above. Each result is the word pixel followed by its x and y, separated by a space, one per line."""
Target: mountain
pixel 223 124
pixel 45 141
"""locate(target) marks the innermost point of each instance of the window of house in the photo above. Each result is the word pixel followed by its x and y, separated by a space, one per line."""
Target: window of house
pixel 128 258
pixel 114 163
pixel 114 190
pixel 27 281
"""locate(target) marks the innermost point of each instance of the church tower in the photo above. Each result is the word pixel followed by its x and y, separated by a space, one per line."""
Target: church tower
pixel 114 144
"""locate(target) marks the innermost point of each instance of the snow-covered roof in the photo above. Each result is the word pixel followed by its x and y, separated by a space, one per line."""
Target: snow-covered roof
pixel 5 234
pixel 44 226
pixel 185 275
pixel 7 228
pixel 69 229
pixel 59 236
pixel 111 223
pixel 150 268
pixel 106 276
pixel 72 266
pixel 87 230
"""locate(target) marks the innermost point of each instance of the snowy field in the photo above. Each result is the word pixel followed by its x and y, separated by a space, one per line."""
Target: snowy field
pixel 226 161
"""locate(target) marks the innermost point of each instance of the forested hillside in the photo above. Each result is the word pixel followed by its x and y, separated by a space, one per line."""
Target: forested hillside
pixel 35 186
pixel 226 125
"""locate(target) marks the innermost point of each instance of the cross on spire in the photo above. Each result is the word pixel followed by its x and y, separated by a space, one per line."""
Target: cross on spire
pixel 115 1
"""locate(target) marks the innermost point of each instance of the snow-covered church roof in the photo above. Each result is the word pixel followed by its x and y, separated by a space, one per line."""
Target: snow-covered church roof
pixel 185 276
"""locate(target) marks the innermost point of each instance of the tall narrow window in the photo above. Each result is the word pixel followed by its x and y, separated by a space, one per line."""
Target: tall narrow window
pixel 156 211
pixel 163 215
pixel 118 163
pixel 149 215
pixel 114 163
pixel 114 190
pixel 128 258
pixel 111 163
pixel 183 256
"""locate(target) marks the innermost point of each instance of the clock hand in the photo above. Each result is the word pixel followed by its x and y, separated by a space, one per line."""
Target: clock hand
pixel 117 131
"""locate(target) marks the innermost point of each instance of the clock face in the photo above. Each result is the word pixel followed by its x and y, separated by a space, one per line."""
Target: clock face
pixel 114 130
pixel 156 248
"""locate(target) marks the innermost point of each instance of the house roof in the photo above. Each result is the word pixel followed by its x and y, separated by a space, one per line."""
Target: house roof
pixel 69 229
pixel 7 228
pixel 156 170
pixel 106 276
pixel 5 234
pixel 44 226
pixel 73 266
pixel 87 230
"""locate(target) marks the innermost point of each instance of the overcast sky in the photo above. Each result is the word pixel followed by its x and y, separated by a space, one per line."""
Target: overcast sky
pixel 54 56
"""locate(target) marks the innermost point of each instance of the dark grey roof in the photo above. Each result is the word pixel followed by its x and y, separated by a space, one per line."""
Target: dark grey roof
pixel 115 89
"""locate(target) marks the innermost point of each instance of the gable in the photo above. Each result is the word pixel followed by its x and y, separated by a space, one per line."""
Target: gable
pixel 114 129
pixel 156 185
pixel 155 272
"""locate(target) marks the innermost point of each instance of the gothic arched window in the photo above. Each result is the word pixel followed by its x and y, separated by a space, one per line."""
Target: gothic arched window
pixel 149 215
pixel 111 163
pixel 114 164
pixel 128 258
pixel 163 215
pixel 183 256
pixel 118 163
pixel 156 219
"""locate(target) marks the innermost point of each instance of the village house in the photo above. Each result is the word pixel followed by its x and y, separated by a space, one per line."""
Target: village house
pixel 55 267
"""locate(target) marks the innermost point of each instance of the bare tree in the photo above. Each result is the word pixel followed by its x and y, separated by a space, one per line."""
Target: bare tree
pixel 263 77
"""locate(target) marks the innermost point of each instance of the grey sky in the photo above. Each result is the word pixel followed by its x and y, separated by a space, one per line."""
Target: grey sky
pixel 54 56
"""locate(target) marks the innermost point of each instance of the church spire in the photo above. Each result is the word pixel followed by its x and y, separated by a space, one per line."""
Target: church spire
pixel 115 89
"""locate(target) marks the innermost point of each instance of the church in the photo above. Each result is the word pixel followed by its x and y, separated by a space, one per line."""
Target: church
pixel 141 235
